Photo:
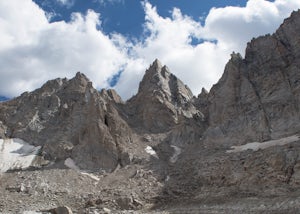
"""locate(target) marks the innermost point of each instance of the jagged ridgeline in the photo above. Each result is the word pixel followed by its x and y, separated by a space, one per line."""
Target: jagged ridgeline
pixel 240 139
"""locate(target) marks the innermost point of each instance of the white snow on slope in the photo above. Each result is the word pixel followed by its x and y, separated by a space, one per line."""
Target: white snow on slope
pixel 177 152
pixel 16 154
pixel 256 145
pixel 150 150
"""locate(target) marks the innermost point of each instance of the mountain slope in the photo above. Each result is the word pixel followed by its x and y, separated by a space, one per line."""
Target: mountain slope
pixel 254 107
pixel 259 96
pixel 69 119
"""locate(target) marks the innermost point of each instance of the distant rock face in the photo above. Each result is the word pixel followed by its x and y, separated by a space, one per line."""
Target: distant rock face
pixel 69 119
pixel 162 100
pixel 259 96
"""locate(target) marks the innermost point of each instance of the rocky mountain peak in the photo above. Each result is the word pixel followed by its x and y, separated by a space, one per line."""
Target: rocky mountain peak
pixel 111 94
pixel 162 99
pixel 259 95
pixel 80 78
pixel 69 119
pixel 156 65
pixel 160 82
pixel 79 83
pixel 204 92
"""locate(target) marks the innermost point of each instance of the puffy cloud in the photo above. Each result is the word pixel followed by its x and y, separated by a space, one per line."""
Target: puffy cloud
pixel 32 50
pixel 235 26
pixel 172 40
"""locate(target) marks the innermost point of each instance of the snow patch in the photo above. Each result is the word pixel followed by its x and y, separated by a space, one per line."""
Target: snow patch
pixel 256 145
pixel 16 154
pixel 150 151
pixel 90 175
pixel 177 152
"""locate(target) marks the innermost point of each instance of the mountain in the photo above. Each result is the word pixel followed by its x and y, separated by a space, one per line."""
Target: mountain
pixel 251 145
pixel 162 101
pixel 225 151
pixel 262 90
pixel 69 119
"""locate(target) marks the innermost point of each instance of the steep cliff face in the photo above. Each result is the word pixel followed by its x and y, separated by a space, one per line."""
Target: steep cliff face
pixel 69 119
pixel 257 98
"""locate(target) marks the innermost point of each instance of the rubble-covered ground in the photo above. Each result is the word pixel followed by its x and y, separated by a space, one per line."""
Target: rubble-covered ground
pixel 217 182
pixel 130 188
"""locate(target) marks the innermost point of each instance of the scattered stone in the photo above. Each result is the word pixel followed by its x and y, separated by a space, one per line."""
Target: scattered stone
pixel 61 210
pixel 106 210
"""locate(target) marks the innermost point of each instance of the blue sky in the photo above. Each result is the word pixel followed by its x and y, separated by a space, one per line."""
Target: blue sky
pixel 114 41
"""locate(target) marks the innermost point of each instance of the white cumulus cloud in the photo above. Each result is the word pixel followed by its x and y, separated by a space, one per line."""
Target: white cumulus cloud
pixel 201 65
pixel 32 50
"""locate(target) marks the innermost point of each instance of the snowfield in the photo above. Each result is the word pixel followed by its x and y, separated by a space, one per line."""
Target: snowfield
pixel 256 145
pixel 16 154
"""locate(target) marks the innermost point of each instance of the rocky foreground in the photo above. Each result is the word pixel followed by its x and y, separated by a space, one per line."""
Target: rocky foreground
pixel 68 148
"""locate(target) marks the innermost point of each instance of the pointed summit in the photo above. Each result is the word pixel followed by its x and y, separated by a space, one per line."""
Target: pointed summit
pixel 156 65
pixel 80 76
pixel 160 99
pixel 160 81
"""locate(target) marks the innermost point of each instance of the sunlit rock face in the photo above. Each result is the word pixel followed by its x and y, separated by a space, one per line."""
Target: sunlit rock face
pixel 162 101
pixel 257 98
pixel 68 119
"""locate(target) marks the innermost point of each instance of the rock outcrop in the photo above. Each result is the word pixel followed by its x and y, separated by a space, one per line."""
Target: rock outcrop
pixel 162 101
pixel 254 107
pixel 257 98
pixel 69 119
